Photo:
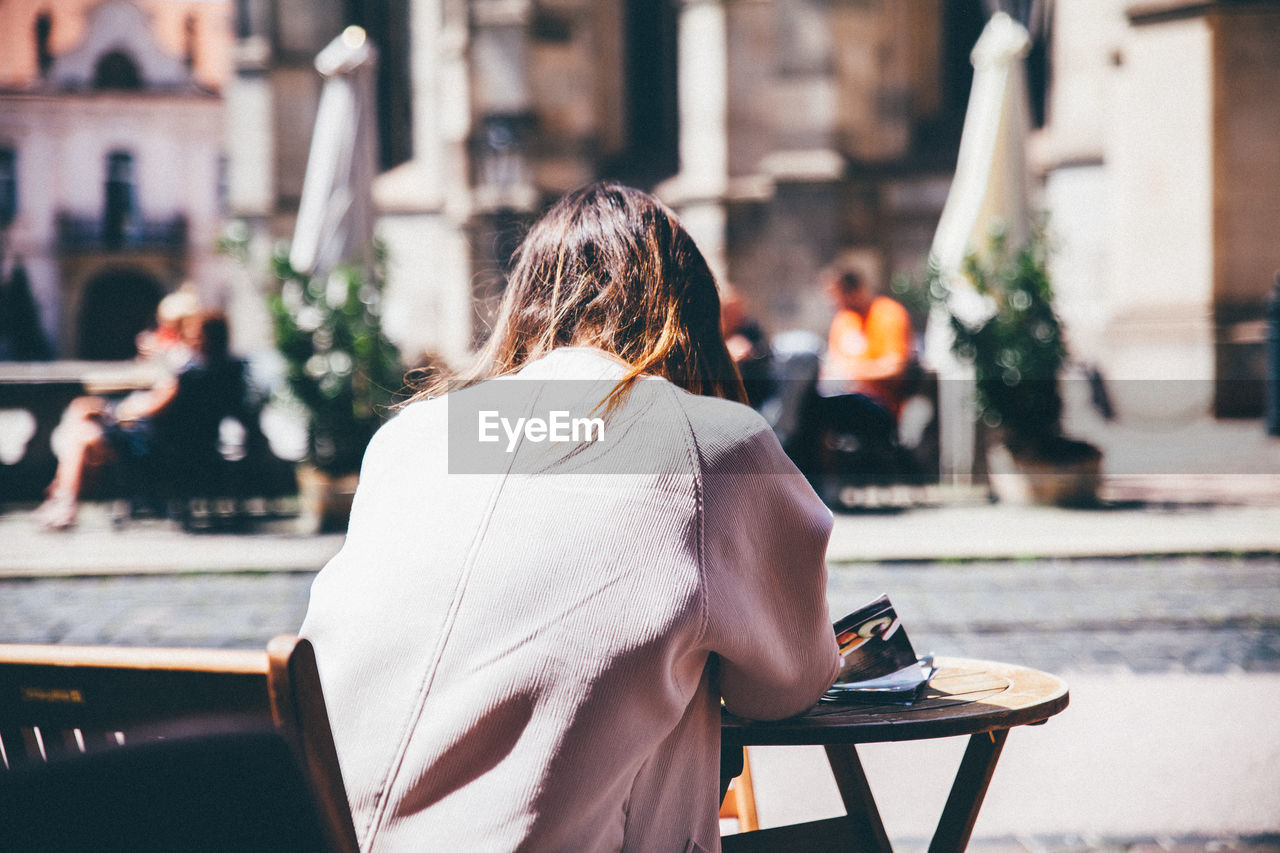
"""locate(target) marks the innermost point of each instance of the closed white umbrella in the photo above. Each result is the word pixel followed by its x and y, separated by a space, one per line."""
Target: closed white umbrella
pixel 990 189
pixel 335 217
pixel 991 179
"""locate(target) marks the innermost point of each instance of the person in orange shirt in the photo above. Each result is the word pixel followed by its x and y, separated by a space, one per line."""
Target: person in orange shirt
pixel 869 345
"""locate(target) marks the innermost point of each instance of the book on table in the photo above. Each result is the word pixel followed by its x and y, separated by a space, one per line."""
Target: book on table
pixel 879 664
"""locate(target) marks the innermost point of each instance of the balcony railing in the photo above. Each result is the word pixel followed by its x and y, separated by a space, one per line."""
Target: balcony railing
pixel 86 234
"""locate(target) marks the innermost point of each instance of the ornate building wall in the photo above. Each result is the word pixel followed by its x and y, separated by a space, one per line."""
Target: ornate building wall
pixel 1162 178
pixel 785 132
pixel 115 145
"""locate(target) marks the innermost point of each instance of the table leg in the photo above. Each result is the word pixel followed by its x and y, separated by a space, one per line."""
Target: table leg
pixel 866 828
pixel 967 792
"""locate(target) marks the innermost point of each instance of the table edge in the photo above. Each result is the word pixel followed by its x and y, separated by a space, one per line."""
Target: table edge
pixel 792 731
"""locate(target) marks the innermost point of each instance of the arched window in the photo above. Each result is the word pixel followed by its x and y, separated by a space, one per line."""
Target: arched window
pixel 190 39
pixel 44 30
pixel 8 184
pixel 116 70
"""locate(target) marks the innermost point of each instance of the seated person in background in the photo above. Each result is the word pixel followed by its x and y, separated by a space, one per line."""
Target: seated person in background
pixel 177 420
pixel 747 346
pixel 166 344
pixel 533 657
pixel 869 346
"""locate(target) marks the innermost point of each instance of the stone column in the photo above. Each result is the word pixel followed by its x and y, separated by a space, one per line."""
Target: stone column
pixel 250 177
pixel 424 204
pixel 698 190
pixel 250 146
pixel 1161 161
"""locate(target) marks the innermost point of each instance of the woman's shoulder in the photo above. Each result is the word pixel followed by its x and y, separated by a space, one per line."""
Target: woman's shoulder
pixel 414 422
pixel 726 431
pixel 710 412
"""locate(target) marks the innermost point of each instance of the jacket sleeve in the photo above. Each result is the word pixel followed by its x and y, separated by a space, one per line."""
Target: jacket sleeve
pixel 764 546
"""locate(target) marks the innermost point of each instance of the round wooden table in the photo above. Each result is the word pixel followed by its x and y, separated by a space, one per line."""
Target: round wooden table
pixel 979 698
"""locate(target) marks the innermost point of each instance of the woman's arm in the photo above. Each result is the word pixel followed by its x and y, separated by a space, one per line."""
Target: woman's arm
pixel 146 404
pixel 765 537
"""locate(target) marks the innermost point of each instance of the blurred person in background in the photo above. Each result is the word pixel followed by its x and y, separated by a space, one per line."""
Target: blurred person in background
pixel 176 420
pixel 166 345
pixel 747 345
pixel 869 346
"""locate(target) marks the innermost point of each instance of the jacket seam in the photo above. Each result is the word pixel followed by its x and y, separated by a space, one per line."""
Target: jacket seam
pixel 418 707
pixel 694 453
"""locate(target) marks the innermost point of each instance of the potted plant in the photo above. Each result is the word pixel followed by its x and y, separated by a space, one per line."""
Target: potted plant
pixel 341 369
pixel 1017 352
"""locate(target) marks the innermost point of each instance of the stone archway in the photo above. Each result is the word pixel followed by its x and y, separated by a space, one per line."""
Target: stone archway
pixel 118 303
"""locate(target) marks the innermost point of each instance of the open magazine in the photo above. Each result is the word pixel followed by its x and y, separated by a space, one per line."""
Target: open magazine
pixel 879 663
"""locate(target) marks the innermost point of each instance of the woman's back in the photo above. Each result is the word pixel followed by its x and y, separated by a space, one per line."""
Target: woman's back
pixel 518 659
pixel 553 575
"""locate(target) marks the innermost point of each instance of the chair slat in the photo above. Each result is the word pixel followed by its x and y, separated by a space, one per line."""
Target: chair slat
pixel 14 744
pixel 95 739
pixel 59 743
pixel 32 743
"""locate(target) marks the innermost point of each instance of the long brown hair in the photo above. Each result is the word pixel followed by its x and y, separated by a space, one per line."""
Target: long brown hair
pixel 611 267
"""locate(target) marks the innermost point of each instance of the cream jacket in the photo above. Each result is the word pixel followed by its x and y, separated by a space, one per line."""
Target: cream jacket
pixel 534 660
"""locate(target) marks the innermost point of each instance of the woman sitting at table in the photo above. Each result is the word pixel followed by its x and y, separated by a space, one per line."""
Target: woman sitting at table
pixel 523 644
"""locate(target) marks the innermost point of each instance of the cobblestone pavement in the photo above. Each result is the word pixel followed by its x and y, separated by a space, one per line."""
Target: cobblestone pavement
pixel 1190 614
pixel 1181 614
pixel 227 610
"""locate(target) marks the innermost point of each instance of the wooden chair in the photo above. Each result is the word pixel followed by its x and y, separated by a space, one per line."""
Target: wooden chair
pixel 57 701
pixel 740 800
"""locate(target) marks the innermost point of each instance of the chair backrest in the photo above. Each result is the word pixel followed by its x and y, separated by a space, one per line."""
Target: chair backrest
pixel 60 700
pixel 231 789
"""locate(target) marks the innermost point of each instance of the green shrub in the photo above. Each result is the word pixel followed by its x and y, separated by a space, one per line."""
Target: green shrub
pixel 339 365
pixel 1018 352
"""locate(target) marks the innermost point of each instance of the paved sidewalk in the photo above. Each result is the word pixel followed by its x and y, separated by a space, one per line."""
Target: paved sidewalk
pixel 946 526
pixel 1173 759
pixel 149 546
pixel 1192 487
pixel 968 530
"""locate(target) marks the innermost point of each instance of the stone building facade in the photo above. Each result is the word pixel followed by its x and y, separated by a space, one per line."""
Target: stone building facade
pixel 785 132
pixel 111 131
pixel 1161 171
pixel 788 133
